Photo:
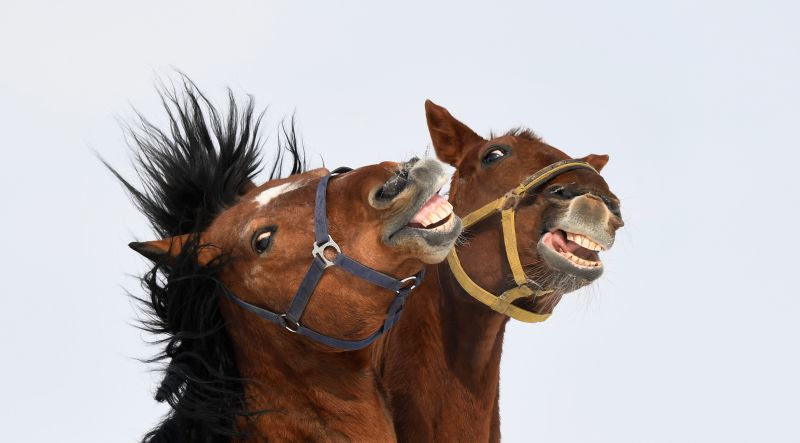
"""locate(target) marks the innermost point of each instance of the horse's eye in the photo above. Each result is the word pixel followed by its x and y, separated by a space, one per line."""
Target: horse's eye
pixel 262 239
pixel 494 154
pixel 557 190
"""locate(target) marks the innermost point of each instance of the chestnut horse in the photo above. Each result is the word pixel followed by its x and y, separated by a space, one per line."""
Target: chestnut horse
pixel 441 365
pixel 232 254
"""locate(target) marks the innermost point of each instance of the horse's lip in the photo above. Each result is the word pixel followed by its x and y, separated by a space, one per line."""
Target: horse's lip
pixel 582 252
pixel 447 225
pixel 564 260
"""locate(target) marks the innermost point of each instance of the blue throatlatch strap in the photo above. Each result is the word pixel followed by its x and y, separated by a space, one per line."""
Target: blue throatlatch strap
pixel 323 241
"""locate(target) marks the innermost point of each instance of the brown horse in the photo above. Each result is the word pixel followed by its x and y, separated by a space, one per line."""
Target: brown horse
pixel 441 364
pixel 231 250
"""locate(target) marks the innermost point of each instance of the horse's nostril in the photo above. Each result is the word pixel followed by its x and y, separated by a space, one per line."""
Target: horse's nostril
pixel 394 186
pixel 398 182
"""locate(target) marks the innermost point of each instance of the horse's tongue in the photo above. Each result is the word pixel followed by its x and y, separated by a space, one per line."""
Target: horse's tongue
pixel 561 243
pixel 572 246
pixel 427 211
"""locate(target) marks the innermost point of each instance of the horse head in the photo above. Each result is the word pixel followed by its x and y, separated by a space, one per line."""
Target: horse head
pixel 561 225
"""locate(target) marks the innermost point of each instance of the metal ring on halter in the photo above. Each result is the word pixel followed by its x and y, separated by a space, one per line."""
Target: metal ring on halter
pixel 286 322
pixel 407 279
pixel 319 251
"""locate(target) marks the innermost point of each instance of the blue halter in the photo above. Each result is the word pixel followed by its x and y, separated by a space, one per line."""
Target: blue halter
pixel 323 241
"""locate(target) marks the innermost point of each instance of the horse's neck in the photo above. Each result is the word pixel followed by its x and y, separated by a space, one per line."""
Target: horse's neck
pixel 297 392
pixel 441 365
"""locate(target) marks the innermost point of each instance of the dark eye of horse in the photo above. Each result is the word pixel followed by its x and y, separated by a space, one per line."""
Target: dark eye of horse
pixel 262 239
pixel 495 153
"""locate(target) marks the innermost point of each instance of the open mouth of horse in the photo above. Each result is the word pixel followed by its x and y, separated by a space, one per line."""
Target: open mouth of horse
pixel 435 215
pixel 571 252
pixel 432 220
pixel 423 217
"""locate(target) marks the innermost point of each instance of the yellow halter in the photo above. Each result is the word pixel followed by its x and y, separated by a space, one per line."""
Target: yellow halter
pixel 507 206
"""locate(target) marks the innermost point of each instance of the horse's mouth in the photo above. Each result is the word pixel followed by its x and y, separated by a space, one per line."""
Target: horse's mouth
pixel 573 253
pixel 424 220
pixel 434 217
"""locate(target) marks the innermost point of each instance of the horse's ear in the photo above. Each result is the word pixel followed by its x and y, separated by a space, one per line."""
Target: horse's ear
pixel 597 161
pixel 450 137
pixel 166 250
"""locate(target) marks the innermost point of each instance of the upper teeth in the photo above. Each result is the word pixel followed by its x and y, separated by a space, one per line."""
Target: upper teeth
pixel 438 214
pixel 584 241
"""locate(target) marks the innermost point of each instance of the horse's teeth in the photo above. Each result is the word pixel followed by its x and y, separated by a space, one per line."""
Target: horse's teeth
pixel 584 241
pixel 445 226
pixel 580 261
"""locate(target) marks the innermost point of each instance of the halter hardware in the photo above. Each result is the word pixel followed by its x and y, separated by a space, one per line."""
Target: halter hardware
pixel 318 251
pixel 289 324
pixel 290 320
pixel 412 286
pixel 506 205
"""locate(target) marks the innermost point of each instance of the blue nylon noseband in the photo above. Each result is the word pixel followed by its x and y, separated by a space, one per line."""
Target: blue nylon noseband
pixel 323 241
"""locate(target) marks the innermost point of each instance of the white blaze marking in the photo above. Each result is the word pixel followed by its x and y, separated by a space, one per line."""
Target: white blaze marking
pixel 269 194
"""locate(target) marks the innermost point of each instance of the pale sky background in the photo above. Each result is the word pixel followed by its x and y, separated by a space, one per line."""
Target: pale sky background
pixel 691 336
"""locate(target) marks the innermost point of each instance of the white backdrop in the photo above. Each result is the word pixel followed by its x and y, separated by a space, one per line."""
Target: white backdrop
pixel 691 336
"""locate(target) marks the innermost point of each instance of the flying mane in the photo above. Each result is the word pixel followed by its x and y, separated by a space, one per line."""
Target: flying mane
pixel 189 174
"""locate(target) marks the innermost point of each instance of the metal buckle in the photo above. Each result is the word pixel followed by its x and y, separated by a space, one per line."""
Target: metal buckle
pixel 286 322
pixel 319 251
pixel 510 200
pixel 406 280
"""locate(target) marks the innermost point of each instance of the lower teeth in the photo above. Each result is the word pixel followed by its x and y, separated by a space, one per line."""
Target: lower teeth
pixel 579 261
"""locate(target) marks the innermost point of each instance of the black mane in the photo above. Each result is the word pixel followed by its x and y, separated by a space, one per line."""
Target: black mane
pixel 189 175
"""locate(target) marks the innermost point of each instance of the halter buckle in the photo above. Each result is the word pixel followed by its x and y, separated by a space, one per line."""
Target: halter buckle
pixel 406 280
pixel 289 324
pixel 510 200
pixel 319 251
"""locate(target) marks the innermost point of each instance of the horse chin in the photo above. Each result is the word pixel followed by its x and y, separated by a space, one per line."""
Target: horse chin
pixel 430 244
